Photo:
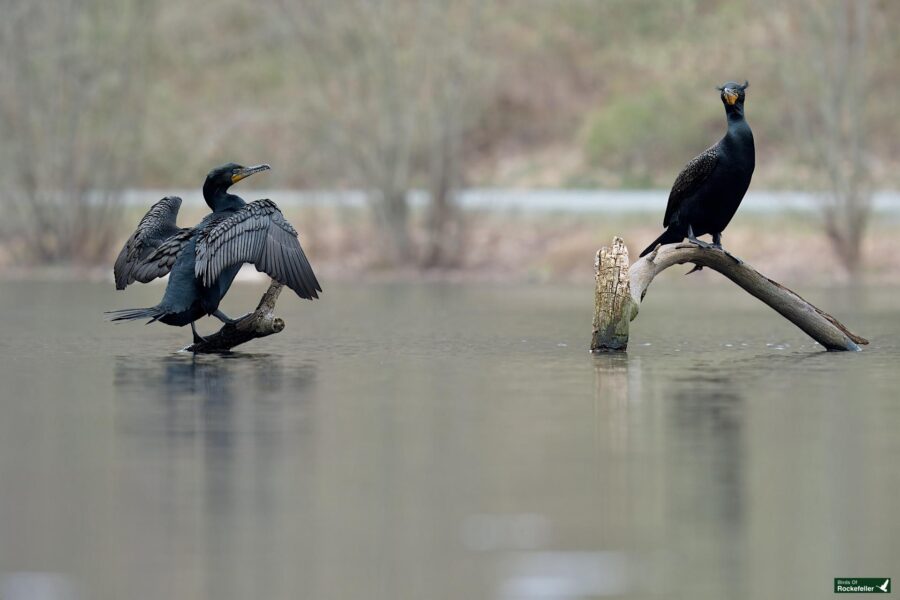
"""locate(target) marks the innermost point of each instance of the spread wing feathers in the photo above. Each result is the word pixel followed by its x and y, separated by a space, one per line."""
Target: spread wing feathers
pixel 155 227
pixel 691 177
pixel 257 234
pixel 160 261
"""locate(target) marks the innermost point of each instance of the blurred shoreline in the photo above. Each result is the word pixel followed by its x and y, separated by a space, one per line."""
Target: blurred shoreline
pixel 534 243
pixel 543 200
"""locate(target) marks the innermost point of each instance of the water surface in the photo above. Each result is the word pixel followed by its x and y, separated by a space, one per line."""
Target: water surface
pixel 418 441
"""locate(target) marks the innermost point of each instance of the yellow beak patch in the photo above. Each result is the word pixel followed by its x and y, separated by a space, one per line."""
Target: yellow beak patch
pixel 730 97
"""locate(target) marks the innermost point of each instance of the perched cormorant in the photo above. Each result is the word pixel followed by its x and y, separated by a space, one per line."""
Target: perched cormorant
pixel 202 261
pixel 709 189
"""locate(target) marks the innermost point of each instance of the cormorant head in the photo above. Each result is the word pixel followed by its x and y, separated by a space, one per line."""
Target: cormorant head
pixel 733 95
pixel 227 175
pixel 221 178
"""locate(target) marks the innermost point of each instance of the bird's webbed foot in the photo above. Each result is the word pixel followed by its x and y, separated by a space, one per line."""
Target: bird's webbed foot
pixel 697 242
pixel 226 319
pixel 717 244
pixel 197 337
pixel 701 243
pixel 223 317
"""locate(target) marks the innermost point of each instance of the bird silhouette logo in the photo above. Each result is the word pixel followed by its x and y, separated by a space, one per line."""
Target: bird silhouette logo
pixel 886 586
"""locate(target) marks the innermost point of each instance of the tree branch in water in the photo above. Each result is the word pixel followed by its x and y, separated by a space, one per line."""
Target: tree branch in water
pixel 260 323
pixel 620 290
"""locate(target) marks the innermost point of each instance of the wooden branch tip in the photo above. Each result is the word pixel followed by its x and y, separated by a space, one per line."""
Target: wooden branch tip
pixel 620 290
pixel 260 323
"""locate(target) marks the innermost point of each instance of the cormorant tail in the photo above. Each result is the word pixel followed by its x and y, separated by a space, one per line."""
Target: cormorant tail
pixel 130 314
pixel 668 237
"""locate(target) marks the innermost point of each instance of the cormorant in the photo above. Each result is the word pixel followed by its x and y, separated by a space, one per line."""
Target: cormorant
pixel 709 189
pixel 203 261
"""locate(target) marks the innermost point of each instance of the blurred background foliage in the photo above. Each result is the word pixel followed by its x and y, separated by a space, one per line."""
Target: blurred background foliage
pixel 393 95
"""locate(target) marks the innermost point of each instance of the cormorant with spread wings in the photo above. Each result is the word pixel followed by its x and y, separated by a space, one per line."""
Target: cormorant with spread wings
pixel 203 261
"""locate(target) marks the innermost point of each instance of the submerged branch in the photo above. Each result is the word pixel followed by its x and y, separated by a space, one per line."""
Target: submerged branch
pixel 616 305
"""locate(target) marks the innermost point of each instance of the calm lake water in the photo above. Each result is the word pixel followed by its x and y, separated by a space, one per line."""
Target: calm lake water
pixel 446 441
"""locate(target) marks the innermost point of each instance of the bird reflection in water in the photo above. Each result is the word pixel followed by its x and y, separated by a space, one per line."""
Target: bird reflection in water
pixel 217 448
pixel 707 413
pixel 707 466
pixel 189 394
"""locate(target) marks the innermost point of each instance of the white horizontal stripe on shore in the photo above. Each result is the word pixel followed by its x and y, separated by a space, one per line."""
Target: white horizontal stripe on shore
pixel 525 200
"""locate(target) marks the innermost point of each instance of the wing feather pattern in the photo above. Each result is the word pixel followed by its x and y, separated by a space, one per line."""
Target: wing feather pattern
pixel 691 177
pixel 161 260
pixel 154 229
pixel 257 234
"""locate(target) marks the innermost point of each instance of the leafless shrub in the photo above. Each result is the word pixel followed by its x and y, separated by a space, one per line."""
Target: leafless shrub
pixel 826 61
pixel 70 107
pixel 390 89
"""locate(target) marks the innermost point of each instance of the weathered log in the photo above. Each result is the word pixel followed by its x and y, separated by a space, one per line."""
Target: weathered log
pixel 617 302
pixel 613 306
pixel 260 323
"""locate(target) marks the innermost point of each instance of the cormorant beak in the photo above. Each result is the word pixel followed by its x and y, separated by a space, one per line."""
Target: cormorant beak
pixel 247 172
pixel 730 96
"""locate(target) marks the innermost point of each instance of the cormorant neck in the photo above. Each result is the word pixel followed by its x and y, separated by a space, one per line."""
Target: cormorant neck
pixel 734 114
pixel 218 198
pixel 739 136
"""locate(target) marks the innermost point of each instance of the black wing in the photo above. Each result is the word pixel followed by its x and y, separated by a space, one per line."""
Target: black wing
pixel 157 226
pixel 160 261
pixel 257 234
pixel 692 175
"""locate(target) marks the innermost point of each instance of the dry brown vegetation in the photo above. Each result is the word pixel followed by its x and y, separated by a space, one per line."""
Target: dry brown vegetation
pixel 515 247
pixel 399 94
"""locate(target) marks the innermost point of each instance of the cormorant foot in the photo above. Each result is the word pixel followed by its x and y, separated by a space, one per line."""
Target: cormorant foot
pixel 701 243
pixel 693 239
pixel 718 246
pixel 224 318
pixel 197 337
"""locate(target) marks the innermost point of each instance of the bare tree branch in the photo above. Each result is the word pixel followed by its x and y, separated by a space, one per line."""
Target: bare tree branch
pixel 391 89
pixel 260 323
pixel 71 107
pixel 826 67
pixel 620 290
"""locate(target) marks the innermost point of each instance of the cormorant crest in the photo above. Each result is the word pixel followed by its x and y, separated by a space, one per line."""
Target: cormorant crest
pixel 739 87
